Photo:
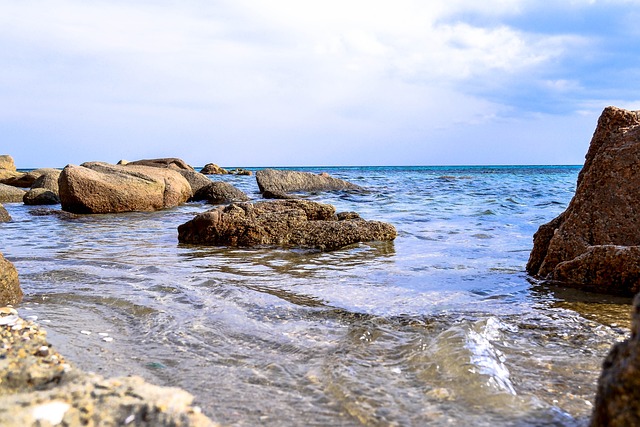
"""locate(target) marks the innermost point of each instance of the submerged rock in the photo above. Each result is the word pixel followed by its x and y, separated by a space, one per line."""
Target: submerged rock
pixel 4 215
pixel 282 223
pixel 592 243
pixel 274 181
pixel 10 291
pixel 11 194
pixel 217 193
pixel 104 188
pixel 39 387
pixel 618 397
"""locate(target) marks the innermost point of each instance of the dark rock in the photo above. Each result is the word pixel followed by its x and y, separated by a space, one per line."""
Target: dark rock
pixel 217 193
pixel 53 212
pixel 268 194
pixel 27 180
pixel 169 162
pixel 4 215
pixel 11 194
pixel 103 188
pixel 196 180
pixel 213 169
pixel 40 196
pixel 618 397
pixel 284 181
pixel 240 171
pixel 10 292
pixel 282 223
pixel 579 245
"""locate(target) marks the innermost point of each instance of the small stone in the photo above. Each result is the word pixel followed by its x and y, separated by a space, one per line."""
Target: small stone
pixel 107 339
pixel 85 332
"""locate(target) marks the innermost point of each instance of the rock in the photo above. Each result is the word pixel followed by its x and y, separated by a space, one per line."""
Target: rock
pixel 283 181
pixel 10 292
pixel 268 194
pixel 282 223
pixel 38 387
pixel 6 162
pixel 48 179
pixel 196 180
pixel 240 171
pixel 7 176
pixel 217 193
pixel 170 162
pixel 591 244
pixel 4 215
pixel 103 188
pixel 10 194
pixel 40 196
pixel 618 397
pixel 213 169
pixel 27 180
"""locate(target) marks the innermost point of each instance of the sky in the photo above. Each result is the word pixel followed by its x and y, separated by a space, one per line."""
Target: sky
pixel 311 83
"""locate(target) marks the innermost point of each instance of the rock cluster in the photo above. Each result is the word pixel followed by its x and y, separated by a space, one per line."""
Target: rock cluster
pixel 39 388
pixel 277 183
pixel 595 242
pixel 213 169
pixel 282 223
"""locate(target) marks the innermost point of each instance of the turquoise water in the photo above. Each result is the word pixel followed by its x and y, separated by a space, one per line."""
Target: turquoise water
pixel 440 327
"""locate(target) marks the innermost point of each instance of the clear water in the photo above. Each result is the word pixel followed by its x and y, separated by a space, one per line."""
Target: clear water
pixel 440 327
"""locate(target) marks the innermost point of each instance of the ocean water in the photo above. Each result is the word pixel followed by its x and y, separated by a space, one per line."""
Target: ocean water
pixel 440 327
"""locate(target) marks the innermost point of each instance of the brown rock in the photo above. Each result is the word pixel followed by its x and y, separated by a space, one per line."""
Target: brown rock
pixel 6 162
pixel 11 194
pixel 213 169
pixel 4 215
pixel 196 180
pixel 282 223
pixel 10 292
pixel 8 176
pixel 40 196
pixel 48 179
pixel 169 162
pixel 618 397
pixel 285 181
pixel 27 180
pixel 240 171
pixel 103 188
pixel 217 193
pixel 603 212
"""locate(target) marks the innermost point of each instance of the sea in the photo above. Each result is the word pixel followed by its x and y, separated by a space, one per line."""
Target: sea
pixel 441 327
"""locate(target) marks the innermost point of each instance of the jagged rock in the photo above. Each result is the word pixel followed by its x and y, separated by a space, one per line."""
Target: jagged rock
pixel 6 162
pixel 618 397
pixel 213 169
pixel 282 223
pixel 39 388
pixel 169 162
pixel 11 194
pixel 4 215
pixel 103 188
pixel 10 291
pixel 40 196
pixel 582 246
pixel 274 181
pixel 217 193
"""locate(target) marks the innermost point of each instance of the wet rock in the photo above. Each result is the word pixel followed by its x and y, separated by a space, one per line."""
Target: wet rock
pixel 213 169
pixel 218 193
pixel 104 188
pixel 38 387
pixel 40 196
pixel 283 181
pixel 6 162
pixel 10 292
pixel 618 397
pixel 4 215
pixel 169 162
pixel 11 194
pixel 281 195
pixel 282 223
pixel 584 245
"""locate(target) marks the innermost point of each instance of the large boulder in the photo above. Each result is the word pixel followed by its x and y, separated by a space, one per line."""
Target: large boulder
pixel 282 223
pixel 284 181
pixel 218 193
pixel 6 162
pixel 618 397
pixel 593 243
pixel 10 291
pixel 169 162
pixel 213 169
pixel 11 194
pixel 4 215
pixel 104 188
pixel 40 388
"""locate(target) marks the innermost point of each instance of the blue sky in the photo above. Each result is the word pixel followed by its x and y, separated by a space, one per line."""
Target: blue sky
pixel 257 83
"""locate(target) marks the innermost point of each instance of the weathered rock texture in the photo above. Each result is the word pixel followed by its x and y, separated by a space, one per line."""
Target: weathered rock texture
pixel 594 242
pixel 10 292
pixel 40 196
pixel 38 388
pixel 213 169
pixel 282 223
pixel 4 215
pixel 11 194
pixel 6 162
pixel 104 188
pixel 217 193
pixel 618 396
pixel 284 181
pixel 48 179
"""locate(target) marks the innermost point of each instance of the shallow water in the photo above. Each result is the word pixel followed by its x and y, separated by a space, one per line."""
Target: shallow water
pixel 440 327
